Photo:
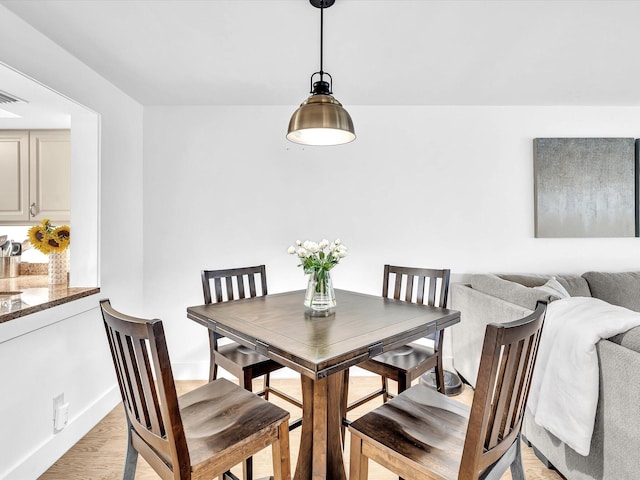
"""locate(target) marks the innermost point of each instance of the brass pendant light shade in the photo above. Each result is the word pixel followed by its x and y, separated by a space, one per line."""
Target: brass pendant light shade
pixel 321 119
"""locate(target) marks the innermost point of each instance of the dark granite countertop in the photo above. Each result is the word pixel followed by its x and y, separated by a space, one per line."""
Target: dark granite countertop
pixel 26 294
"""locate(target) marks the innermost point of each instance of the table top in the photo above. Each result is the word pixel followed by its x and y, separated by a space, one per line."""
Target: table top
pixel 360 327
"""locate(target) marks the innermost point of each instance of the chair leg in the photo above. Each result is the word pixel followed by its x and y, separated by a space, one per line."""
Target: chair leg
pixel 440 386
pixel 280 454
pixel 245 381
pixel 213 367
pixel 404 382
pixel 345 402
pixel 517 470
pixel 267 383
pixel 438 346
pixel 358 463
pixel 131 458
pixel 512 458
pixel 247 469
pixel 385 389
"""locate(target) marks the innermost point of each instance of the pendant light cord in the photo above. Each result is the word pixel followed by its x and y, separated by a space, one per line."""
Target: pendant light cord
pixel 321 40
pixel 322 86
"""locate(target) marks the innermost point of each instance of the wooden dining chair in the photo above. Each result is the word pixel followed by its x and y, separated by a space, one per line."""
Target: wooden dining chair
pixel 407 363
pixel 421 434
pixel 242 362
pixel 199 435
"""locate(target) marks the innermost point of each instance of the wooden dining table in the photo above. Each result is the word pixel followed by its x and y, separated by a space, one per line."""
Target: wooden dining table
pixel 321 348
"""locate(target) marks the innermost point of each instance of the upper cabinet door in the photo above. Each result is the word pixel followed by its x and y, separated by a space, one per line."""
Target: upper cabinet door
pixel 50 184
pixel 14 175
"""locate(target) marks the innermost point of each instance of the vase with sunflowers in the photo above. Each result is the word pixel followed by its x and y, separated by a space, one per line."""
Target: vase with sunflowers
pixel 317 259
pixel 54 242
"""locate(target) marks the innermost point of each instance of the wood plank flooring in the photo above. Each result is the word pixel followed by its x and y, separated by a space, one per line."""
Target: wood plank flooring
pixel 100 454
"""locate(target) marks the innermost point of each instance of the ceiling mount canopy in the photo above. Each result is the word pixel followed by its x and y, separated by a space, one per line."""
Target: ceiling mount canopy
pixel 321 119
pixel 322 3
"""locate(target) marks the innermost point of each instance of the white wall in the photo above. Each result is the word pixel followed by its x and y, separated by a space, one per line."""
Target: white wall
pixel 424 186
pixel 63 349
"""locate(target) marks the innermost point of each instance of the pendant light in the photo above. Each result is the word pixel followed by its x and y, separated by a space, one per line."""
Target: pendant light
pixel 321 119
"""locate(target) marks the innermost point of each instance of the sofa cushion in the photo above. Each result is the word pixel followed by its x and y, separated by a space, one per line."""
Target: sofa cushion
pixel 554 287
pixel 616 288
pixel 576 285
pixel 510 291
pixel 528 280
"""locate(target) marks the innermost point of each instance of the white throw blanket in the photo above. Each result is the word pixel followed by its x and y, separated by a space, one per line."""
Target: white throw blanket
pixel 564 389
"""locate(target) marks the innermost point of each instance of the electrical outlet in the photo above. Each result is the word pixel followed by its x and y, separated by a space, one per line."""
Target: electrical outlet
pixel 60 413
pixel 61 417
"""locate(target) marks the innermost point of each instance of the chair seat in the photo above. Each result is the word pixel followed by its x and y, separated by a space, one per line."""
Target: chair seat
pixel 220 416
pixel 403 359
pixel 233 355
pixel 423 426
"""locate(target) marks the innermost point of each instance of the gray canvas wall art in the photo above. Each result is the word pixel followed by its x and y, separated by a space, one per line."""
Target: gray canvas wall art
pixel 584 187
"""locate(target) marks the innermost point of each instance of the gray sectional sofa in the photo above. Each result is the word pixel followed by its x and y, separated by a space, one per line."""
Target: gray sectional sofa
pixel 615 445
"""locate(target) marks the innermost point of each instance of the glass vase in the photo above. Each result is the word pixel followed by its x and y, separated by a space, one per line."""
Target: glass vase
pixel 58 267
pixel 320 296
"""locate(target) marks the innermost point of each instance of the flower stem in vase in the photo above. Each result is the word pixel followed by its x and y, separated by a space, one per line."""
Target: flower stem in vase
pixel 316 260
pixel 320 295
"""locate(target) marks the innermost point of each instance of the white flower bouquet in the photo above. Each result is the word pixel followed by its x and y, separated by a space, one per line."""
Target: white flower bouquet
pixel 316 259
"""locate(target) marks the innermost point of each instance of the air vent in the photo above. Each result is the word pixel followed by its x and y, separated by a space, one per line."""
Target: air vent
pixel 7 98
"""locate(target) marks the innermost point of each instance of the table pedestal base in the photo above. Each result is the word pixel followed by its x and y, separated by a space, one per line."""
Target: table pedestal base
pixel 320 456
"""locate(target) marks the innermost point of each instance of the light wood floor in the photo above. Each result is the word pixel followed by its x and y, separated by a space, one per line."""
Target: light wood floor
pixel 100 454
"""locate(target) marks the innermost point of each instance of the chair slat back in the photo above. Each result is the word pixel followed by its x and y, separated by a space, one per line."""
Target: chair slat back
pixel 504 377
pixel 410 284
pixel 139 351
pixel 234 283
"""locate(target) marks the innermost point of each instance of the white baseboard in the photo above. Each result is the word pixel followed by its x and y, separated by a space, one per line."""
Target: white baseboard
pixel 46 454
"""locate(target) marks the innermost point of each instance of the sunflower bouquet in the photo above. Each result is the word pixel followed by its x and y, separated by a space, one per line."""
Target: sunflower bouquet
pixel 47 238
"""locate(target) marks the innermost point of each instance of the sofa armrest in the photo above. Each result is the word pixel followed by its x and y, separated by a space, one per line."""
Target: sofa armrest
pixel 477 310
pixel 629 339
pixel 619 393
pixel 510 291
pixel 615 442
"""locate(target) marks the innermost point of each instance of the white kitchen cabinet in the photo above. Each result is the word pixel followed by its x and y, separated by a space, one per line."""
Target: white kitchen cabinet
pixel 50 174
pixel 36 176
pixel 14 175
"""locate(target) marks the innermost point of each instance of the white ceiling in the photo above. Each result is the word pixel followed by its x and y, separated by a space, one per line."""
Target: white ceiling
pixel 395 52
